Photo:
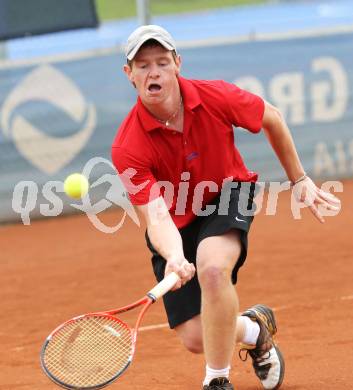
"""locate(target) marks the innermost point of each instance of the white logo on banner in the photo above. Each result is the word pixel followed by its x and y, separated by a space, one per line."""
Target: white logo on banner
pixel 48 153
pixel 319 96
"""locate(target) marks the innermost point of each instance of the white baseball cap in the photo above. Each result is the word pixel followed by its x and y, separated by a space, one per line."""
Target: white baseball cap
pixel 144 33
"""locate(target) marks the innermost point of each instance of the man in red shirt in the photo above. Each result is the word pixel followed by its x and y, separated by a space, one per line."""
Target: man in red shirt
pixel 175 153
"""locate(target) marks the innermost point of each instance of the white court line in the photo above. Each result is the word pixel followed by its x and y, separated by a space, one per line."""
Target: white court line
pixel 347 298
pixel 153 327
pixel 276 309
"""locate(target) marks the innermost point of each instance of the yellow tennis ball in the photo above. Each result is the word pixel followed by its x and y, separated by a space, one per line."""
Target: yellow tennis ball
pixel 76 186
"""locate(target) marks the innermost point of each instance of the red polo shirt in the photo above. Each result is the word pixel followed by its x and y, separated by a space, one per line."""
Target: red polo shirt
pixel 190 167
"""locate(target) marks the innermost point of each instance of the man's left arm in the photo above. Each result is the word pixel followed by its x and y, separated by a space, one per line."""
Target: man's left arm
pixel 280 138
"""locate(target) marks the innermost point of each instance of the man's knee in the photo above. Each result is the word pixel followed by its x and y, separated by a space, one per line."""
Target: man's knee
pixel 213 273
pixel 193 344
pixel 190 333
pixel 216 258
pixel 213 276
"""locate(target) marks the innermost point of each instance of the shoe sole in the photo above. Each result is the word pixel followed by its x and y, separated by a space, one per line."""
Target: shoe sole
pixel 281 373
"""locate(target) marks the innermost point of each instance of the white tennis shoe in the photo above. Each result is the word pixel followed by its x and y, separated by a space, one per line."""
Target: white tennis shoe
pixel 267 359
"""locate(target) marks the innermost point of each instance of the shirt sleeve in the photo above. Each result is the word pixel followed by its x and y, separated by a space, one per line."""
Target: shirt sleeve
pixel 136 176
pixel 246 110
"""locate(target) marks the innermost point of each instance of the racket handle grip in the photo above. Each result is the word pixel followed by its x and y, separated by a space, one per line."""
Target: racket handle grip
pixel 164 286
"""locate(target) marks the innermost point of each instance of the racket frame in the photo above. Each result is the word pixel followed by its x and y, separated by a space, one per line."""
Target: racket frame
pixel 158 291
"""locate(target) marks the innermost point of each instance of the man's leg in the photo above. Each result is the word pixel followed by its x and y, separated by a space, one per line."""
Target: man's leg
pixel 190 333
pixel 255 327
pixel 216 258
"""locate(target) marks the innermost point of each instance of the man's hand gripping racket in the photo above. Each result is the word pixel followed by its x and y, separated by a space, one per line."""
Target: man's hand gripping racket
pixel 92 350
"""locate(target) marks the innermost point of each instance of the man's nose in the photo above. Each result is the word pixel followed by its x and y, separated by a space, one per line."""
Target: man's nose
pixel 154 72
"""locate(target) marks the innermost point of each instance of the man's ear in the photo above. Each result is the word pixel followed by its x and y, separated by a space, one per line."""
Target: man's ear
pixel 178 64
pixel 128 72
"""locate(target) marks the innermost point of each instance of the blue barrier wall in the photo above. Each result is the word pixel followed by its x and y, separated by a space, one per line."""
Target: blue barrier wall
pixel 55 116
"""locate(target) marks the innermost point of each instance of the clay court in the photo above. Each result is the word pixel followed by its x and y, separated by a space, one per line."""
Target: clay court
pixel 61 267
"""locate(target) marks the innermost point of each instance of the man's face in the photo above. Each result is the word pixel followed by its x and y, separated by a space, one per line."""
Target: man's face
pixel 154 72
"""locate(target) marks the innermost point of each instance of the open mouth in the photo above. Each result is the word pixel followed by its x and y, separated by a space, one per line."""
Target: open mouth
pixel 154 87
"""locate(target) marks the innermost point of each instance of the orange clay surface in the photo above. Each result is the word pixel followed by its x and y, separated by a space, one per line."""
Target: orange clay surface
pixel 61 267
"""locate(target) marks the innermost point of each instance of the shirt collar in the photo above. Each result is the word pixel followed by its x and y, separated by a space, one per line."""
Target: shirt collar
pixel 191 99
pixel 190 94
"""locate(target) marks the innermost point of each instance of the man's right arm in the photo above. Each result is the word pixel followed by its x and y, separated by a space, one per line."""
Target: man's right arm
pixel 166 239
pixel 135 173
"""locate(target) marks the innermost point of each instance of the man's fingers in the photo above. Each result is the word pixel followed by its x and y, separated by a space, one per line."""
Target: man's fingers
pixel 326 205
pixel 332 207
pixel 177 285
pixel 191 269
pixel 329 197
pixel 185 271
pixel 315 198
pixel 315 211
pixel 327 201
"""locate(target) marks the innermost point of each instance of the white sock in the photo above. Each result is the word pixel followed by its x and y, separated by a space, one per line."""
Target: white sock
pixel 252 330
pixel 212 373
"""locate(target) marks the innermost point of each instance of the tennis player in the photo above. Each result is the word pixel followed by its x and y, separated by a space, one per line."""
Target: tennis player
pixel 175 153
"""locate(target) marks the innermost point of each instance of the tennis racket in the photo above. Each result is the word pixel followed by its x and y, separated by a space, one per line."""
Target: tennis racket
pixel 92 350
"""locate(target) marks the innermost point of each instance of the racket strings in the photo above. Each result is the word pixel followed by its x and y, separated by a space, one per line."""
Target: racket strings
pixel 89 351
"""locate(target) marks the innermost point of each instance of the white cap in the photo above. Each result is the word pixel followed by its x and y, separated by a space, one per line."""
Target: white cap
pixel 145 33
